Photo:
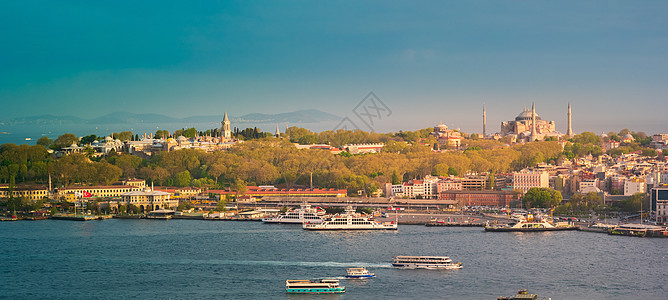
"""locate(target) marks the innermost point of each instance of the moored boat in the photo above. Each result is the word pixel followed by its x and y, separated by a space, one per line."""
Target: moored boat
pixel 350 220
pixel 425 262
pixel 303 214
pixel 359 273
pixel 319 286
pixel 529 224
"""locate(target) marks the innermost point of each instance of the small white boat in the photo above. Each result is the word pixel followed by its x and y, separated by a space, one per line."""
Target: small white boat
pixel 425 262
pixel 359 273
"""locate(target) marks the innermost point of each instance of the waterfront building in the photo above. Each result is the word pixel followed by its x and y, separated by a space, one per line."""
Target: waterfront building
pixel 148 200
pixel 413 188
pixel 28 192
pixel 271 191
pixel 99 191
pixel 478 198
pixel 525 180
pixel 659 203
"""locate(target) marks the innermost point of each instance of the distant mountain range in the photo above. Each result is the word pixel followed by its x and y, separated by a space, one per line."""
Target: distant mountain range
pixel 300 116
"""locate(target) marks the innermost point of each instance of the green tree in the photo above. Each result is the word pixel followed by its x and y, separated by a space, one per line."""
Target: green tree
pixel 222 203
pixel 45 141
pixel 239 187
pixel 182 178
pixel 89 139
pixel 65 140
pixel 542 198
pixel 161 134
pixel 395 177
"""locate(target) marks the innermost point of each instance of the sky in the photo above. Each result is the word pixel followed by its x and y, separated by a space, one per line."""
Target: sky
pixel 426 61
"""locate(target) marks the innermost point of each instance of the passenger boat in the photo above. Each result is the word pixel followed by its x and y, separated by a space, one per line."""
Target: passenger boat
pixel 301 215
pixel 425 262
pixel 350 220
pixel 529 224
pixel 321 286
pixel 359 273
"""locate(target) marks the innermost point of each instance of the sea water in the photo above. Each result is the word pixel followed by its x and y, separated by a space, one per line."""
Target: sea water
pixel 189 259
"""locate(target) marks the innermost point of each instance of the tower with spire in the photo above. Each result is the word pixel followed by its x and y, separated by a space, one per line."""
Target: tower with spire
pixel 570 129
pixel 225 131
pixel 278 133
pixel 533 121
pixel 484 121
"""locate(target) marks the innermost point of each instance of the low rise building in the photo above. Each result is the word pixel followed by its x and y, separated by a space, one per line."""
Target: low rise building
pixel 634 185
pixel 148 200
pixel 478 198
pixel 525 180
pixel 98 191
pixel 28 192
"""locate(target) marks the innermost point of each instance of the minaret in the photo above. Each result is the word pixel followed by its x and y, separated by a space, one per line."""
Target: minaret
pixel 278 133
pixel 533 122
pixel 570 129
pixel 484 121
pixel 225 131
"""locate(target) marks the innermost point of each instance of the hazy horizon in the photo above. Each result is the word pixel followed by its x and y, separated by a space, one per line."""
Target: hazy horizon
pixel 428 62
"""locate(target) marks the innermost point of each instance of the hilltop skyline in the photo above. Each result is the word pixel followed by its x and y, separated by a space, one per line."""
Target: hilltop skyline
pixel 428 63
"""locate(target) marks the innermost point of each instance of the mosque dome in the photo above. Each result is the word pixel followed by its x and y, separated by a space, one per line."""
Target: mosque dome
pixel 603 135
pixel 108 139
pixel 181 138
pixel 525 115
pixel 441 127
pixel 629 137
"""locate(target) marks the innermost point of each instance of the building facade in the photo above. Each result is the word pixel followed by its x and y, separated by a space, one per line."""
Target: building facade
pixel 526 180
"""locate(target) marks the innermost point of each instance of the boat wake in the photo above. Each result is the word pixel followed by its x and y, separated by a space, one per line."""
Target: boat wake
pixel 302 263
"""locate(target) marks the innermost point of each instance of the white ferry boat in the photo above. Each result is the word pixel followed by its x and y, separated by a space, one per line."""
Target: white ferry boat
pixel 350 220
pixel 303 214
pixel 359 273
pixel 424 262
pixel 530 224
pixel 305 286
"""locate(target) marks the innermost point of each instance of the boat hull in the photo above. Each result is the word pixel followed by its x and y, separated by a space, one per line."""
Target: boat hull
pixel 351 228
pixel 360 276
pixel 510 229
pixel 428 267
pixel 316 290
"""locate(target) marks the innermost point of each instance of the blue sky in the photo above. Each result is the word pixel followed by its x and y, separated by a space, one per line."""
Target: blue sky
pixel 428 61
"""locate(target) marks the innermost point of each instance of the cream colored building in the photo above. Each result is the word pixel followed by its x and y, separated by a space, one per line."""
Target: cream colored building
pixel 148 200
pixel 99 191
pixel 526 180
pixel 31 193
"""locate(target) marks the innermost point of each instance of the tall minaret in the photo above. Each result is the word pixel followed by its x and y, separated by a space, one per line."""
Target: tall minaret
pixel 533 122
pixel 570 129
pixel 484 121
pixel 278 133
pixel 225 131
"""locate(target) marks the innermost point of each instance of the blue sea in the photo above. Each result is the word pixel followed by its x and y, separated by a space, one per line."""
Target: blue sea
pixel 191 259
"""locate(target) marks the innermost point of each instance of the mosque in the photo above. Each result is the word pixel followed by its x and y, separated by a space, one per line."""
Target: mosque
pixel 529 126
